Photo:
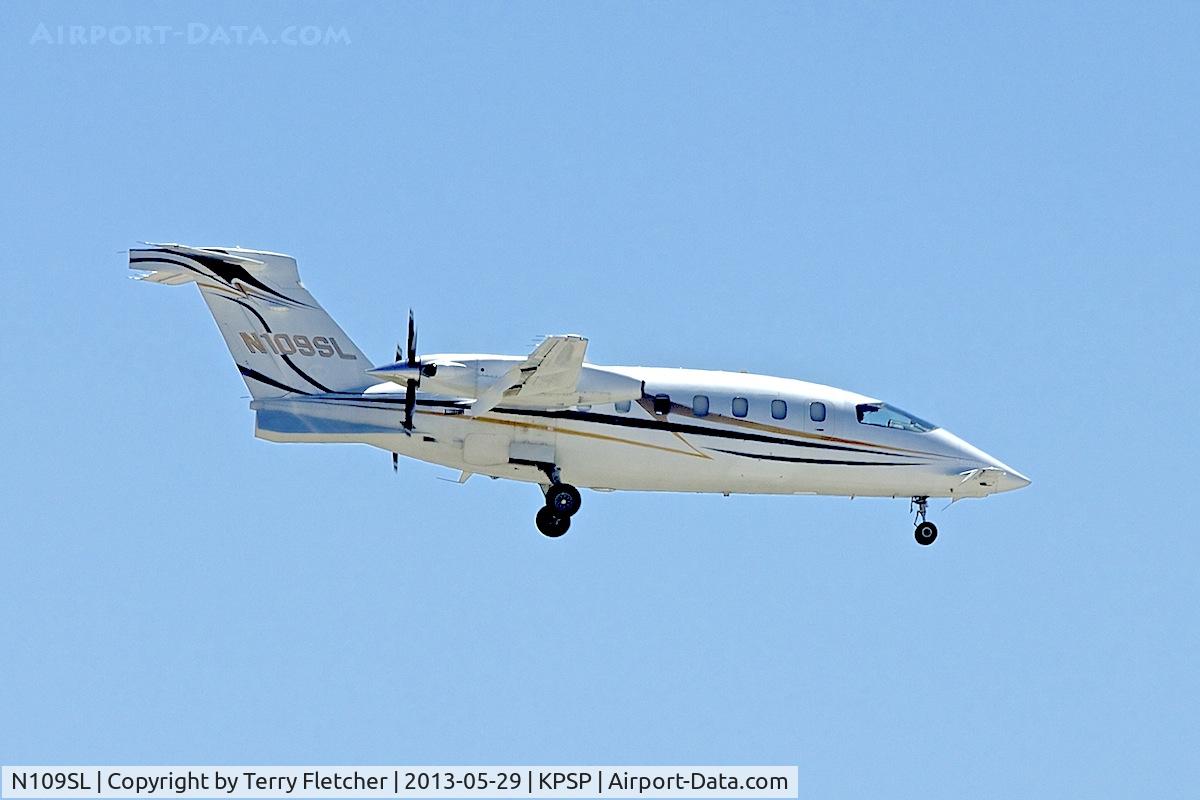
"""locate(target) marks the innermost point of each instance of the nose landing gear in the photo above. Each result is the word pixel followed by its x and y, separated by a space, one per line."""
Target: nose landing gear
pixel 926 532
pixel 562 502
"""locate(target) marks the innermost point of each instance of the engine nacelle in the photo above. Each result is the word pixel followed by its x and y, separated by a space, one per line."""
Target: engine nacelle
pixel 401 373
pixel 598 386
pixel 452 378
pixel 456 376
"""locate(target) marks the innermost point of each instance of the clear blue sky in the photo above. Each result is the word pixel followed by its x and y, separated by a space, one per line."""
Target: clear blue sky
pixel 987 214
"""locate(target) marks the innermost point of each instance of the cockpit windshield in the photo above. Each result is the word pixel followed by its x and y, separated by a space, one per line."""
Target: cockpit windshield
pixel 886 416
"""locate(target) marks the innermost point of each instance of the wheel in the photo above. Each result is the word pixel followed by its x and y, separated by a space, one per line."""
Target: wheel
pixel 926 533
pixel 551 523
pixel 563 498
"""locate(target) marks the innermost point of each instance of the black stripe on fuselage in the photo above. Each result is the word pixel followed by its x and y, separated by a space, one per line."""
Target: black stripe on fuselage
pixel 342 398
pixel 682 427
pixel 644 424
pixel 798 460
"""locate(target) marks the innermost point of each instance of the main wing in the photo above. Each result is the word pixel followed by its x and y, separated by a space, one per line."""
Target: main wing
pixel 548 377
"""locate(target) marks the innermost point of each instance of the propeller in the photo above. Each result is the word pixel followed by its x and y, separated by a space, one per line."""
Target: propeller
pixel 408 372
pixel 410 391
pixel 396 456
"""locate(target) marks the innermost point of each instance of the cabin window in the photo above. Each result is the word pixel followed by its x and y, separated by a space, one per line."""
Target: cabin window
pixel 816 412
pixel 662 404
pixel 886 416
pixel 623 406
pixel 700 405
pixel 779 409
pixel 741 406
pixel 583 408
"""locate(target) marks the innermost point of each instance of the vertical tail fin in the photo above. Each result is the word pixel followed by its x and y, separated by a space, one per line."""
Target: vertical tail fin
pixel 281 339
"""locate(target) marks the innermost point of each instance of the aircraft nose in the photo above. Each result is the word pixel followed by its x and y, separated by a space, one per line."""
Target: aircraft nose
pixel 1012 480
pixel 997 475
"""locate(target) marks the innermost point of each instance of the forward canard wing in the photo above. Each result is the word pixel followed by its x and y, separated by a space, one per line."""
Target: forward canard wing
pixel 548 377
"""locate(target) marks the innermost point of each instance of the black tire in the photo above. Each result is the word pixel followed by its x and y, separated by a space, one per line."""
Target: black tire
pixel 564 499
pixel 551 523
pixel 926 533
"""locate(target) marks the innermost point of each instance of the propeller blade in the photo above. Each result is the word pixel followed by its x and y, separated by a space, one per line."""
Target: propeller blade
pixel 395 462
pixel 410 404
pixel 399 354
pixel 412 340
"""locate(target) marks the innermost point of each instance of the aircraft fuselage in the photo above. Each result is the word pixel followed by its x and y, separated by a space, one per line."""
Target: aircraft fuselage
pixel 684 434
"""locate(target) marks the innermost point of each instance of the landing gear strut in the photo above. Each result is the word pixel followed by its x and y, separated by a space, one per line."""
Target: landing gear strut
pixel 926 532
pixel 562 502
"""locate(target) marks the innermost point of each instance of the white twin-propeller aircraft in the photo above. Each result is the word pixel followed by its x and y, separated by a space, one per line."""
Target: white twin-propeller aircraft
pixel 551 419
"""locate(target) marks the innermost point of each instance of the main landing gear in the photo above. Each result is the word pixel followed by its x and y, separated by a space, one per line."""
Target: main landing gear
pixel 926 532
pixel 562 502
